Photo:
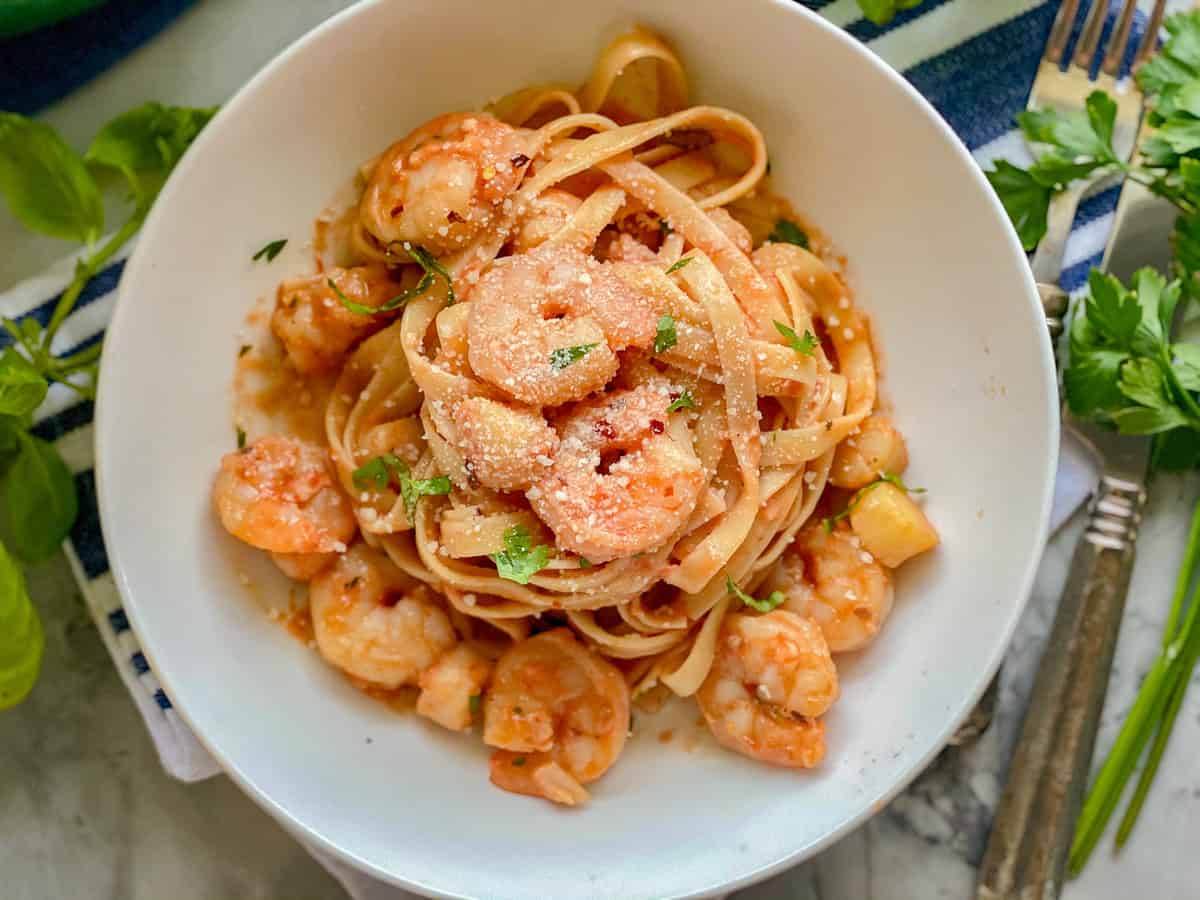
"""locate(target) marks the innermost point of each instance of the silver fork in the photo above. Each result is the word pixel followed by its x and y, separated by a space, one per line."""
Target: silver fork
pixel 1067 89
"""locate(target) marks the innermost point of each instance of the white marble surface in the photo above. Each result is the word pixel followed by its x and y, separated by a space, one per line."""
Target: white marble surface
pixel 86 812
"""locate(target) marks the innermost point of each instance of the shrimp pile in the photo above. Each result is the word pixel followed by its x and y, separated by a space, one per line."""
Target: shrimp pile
pixel 600 421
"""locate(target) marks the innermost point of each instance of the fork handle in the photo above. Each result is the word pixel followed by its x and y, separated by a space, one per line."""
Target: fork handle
pixel 1047 261
pixel 1031 835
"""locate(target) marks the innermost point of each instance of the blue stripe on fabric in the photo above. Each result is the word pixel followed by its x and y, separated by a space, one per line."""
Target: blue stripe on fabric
pixel 139 663
pixel 815 5
pixel 163 701
pixel 103 284
pixel 62 423
pixel 118 620
pixel 866 30
pixel 980 85
pixel 1097 205
pixel 1074 277
pixel 86 536
pixel 39 68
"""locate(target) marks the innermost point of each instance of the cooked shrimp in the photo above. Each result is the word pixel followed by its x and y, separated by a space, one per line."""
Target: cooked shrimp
pixel 316 328
pixel 280 494
pixel 375 622
pixel 771 679
pixel 506 447
pixel 875 448
pixel 303 566
pixel 547 214
pixel 558 714
pixel 832 579
pixel 441 185
pixel 529 307
pixel 621 483
pixel 621 247
pixel 452 686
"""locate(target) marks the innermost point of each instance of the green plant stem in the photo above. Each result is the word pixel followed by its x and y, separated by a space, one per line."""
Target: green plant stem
pixel 1183 580
pixel 86 271
pixel 77 361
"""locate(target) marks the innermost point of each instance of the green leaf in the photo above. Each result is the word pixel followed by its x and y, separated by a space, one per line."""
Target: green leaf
pixel 39 499
pixel 1102 114
pixel 1181 135
pixel 46 184
pixel 1157 152
pixel 145 143
pixel 788 232
pixel 1160 73
pixel 22 388
pixel 880 12
pixel 1157 300
pixel 1185 241
pixel 802 345
pixel 1141 420
pixel 21 638
pixel 664 334
pixel 1183 45
pixel 382 470
pixel 678 264
pixel 774 599
pixel 565 356
pixel 413 489
pixel 520 560
pixel 1111 309
pixel 1177 450
pixel 270 250
pixel 1186 363
pixel 1026 201
pixel 1055 171
pixel 1091 382
pixel 1142 381
pixel 1086 132
pixel 683 401
pixel 431 266
pixel 377 470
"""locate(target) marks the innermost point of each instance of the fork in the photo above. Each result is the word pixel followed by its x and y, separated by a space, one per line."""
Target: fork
pixel 1067 89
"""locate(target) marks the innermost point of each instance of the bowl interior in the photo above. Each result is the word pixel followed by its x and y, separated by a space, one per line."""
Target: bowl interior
pixel 966 366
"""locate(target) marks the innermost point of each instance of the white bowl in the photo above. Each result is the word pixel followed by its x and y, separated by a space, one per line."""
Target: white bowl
pixel 967 364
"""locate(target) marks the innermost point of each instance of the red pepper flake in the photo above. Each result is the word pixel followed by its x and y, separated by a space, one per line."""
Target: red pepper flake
pixel 656 426
pixel 452 216
pixel 604 429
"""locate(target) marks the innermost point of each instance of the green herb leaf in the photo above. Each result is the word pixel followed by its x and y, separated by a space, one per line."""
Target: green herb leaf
pixel 241 437
pixel 774 599
pixel 413 489
pixel 145 143
pixel 1025 199
pixel 683 401
pixel 1086 132
pixel 787 232
pixel 382 470
pixel 565 356
pixel 584 563
pixel 884 478
pixel 519 761
pixel 520 560
pixel 802 345
pixel 22 388
pixel 433 269
pixel 431 266
pixel 270 251
pixel 678 264
pixel 1185 360
pixel 39 499
pixel 880 12
pixel 377 470
pixel 664 334
pixel 473 704
pixel 46 184
pixel 21 638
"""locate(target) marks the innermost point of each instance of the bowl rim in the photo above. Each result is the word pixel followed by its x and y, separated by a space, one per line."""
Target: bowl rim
pixel 1049 421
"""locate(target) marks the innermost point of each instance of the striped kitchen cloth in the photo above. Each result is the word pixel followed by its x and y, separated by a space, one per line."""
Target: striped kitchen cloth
pixel 974 59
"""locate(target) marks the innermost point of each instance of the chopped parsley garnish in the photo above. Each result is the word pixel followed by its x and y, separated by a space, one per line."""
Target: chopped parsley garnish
pixel 887 477
pixel 270 251
pixel 565 356
pixel 774 599
pixel 584 563
pixel 664 335
pixel 802 345
pixel 678 264
pixel 520 560
pixel 381 471
pixel 788 232
pixel 664 227
pixel 433 269
pixel 241 438
pixel 519 761
pixel 243 350
pixel 683 401
pixel 473 704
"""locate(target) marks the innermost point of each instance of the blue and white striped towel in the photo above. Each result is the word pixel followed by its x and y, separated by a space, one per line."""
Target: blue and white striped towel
pixel 974 59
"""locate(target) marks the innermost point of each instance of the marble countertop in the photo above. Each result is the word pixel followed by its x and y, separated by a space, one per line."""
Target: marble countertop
pixel 86 810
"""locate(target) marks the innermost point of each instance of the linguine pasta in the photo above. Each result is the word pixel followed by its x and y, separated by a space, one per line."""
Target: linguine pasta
pixel 571 385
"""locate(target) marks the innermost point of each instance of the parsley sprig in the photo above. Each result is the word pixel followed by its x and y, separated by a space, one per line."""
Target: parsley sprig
pixel 422 257
pixel 768 603
pixel 387 469
pixel 54 191
pixel 562 357
pixel 520 560
pixel 802 345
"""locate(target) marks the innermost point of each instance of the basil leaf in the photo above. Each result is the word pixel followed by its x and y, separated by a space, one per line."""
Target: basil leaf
pixel 22 388
pixel 21 638
pixel 46 184
pixel 145 143
pixel 39 499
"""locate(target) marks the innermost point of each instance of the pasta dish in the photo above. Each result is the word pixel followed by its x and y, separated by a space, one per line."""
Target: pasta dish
pixel 576 413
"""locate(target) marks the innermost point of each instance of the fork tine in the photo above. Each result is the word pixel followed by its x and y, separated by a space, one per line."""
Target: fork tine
pixel 1118 40
pixel 1060 33
pixel 1090 38
pixel 1150 37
